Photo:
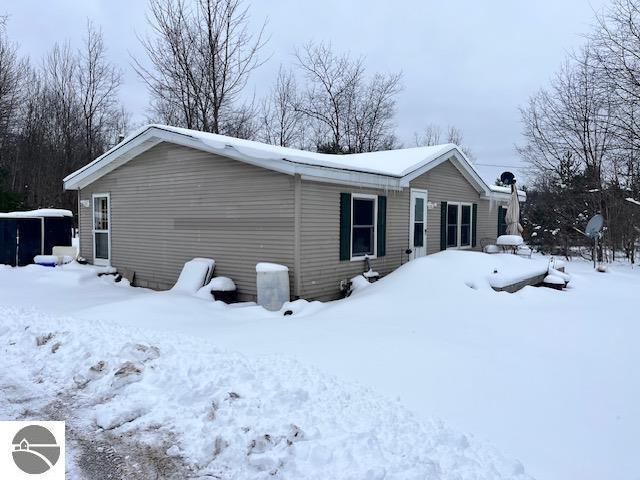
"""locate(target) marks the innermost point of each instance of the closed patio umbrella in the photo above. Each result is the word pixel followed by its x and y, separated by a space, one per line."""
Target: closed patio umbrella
pixel 512 217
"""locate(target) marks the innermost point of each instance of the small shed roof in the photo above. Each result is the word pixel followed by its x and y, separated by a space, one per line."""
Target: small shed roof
pixel 41 212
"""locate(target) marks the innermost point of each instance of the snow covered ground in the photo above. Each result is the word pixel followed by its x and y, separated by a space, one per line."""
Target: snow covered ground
pixel 344 389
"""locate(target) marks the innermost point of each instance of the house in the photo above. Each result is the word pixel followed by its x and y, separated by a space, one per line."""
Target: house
pixel 165 195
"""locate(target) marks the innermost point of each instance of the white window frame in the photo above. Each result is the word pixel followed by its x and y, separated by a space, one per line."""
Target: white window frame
pixel 359 258
pixel 459 226
pixel 101 261
pixel 412 213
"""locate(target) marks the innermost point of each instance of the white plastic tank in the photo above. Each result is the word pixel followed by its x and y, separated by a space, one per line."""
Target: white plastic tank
pixel 272 283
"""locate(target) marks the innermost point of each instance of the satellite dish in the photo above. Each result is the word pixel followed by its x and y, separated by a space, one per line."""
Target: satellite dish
pixel 507 178
pixel 594 227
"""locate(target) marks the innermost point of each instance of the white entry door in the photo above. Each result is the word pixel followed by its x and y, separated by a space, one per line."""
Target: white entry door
pixel 418 223
pixel 101 229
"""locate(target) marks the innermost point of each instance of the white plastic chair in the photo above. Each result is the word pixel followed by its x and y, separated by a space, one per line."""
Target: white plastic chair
pixel 65 254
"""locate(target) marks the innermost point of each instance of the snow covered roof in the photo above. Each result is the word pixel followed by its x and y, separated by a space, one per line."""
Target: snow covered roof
pixel 505 192
pixel 391 169
pixel 42 212
pixel 391 162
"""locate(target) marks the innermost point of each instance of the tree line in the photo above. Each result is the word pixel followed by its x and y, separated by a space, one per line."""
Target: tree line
pixel 62 112
pixel 582 140
pixel 54 117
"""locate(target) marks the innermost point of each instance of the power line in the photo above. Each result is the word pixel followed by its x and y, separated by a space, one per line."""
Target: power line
pixel 496 165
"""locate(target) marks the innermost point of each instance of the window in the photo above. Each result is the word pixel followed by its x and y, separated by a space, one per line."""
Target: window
pixel 452 225
pixel 418 223
pixel 465 226
pixel 363 225
pixel 459 225
pixel 101 229
pixel 100 213
pixel 502 221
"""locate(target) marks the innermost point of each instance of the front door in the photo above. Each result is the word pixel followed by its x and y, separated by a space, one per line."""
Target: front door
pixel 418 223
pixel 101 229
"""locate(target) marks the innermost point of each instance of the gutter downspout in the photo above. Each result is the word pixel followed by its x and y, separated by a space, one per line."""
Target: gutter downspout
pixel 297 221
pixel 78 222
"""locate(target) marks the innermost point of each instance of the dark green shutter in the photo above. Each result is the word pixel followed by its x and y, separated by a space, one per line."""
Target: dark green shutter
pixel 474 225
pixel 382 226
pixel 443 225
pixel 502 222
pixel 345 226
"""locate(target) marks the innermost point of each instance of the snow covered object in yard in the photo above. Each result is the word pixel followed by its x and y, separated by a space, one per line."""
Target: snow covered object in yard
pixel 221 288
pixel 272 284
pixel 222 284
pixel 46 260
pixel 512 269
pixel 371 275
pixel 509 240
pixel 554 281
pixel 194 275
pixel 524 251
pixel 358 283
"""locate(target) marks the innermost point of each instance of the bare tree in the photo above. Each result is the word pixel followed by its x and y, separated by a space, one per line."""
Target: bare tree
pixel 281 118
pixel 13 71
pixel 616 55
pixel 202 56
pixel 432 135
pixel 63 113
pixel 351 114
pixel 369 125
pixel 429 136
pixel 98 82
pixel 574 115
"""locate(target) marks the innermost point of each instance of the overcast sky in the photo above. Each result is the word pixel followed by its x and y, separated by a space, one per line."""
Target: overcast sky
pixel 466 63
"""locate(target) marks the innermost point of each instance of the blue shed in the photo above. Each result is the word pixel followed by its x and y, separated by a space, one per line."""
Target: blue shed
pixel 23 235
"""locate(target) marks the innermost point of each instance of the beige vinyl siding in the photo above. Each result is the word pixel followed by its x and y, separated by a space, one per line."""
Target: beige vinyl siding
pixel 172 203
pixel 446 183
pixel 321 268
pixel 488 221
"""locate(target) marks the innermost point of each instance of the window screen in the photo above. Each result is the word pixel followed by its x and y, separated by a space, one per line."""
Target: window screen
pixel 452 225
pixel 363 228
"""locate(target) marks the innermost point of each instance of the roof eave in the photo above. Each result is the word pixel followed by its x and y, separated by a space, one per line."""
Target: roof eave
pixel 467 169
pixel 500 196
pixel 154 135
